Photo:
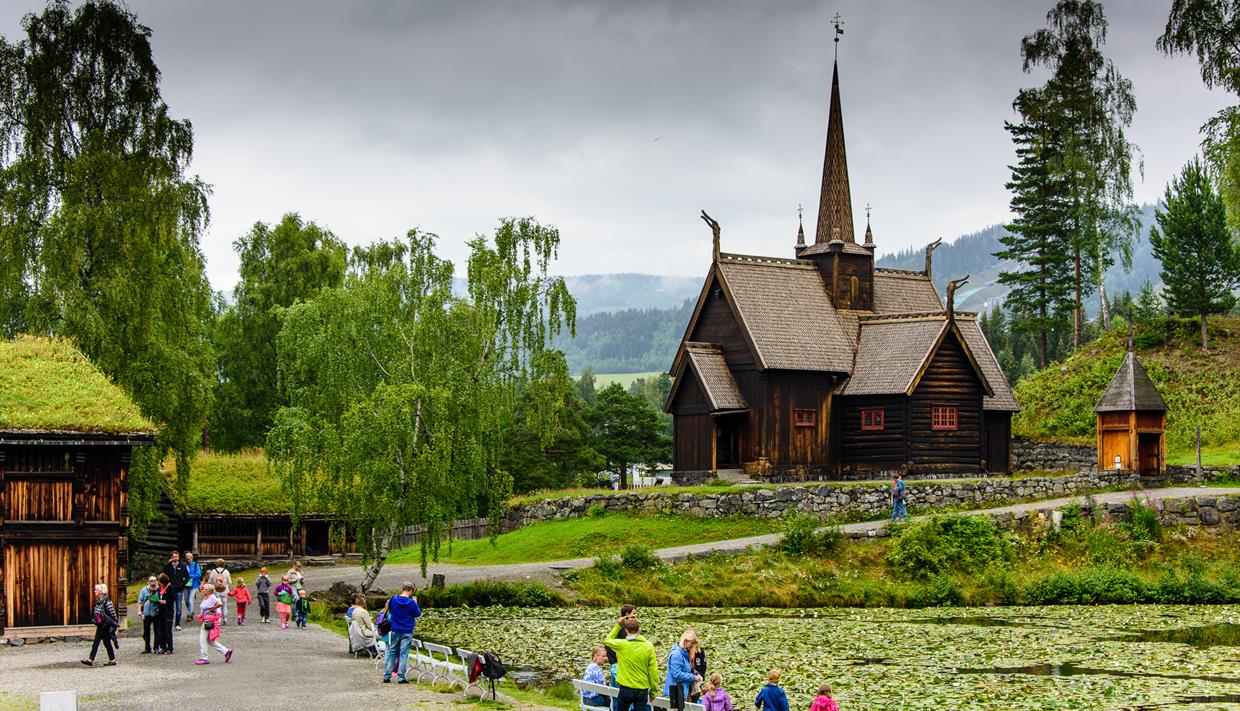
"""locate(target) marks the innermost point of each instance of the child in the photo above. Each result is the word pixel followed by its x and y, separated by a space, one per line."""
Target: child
pixel 301 608
pixel 284 601
pixel 771 698
pixel 824 702
pixel 209 614
pixel 147 603
pixel 594 675
pixel 263 586
pixel 714 696
pixel 220 575
pixel 242 594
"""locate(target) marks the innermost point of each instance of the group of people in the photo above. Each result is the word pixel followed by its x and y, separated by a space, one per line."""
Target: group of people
pixel 634 671
pixel 161 600
pixel 394 625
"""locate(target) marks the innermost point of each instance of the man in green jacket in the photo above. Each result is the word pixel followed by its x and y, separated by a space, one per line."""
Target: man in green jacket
pixel 637 672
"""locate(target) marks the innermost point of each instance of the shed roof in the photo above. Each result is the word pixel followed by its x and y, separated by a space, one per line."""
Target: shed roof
pixel 48 386
pixel 1131 389
pixel 787 312
pixel 717 381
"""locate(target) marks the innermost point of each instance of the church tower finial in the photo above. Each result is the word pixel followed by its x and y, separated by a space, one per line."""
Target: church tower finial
pixel 835 201
pixel 869 234
pixel 800 228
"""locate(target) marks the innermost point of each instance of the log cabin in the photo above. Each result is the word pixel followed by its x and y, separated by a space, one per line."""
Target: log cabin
pixel 67 435
pixel 823 366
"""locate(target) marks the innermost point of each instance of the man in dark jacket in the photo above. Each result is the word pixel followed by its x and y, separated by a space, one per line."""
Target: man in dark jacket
pixel 178 574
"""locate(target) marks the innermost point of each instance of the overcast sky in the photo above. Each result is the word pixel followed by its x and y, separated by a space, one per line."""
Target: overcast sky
pixel 617 122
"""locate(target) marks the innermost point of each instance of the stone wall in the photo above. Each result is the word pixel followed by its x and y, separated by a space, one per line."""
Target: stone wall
pixel 859 500
pixel 1028 455
pixel 1195 511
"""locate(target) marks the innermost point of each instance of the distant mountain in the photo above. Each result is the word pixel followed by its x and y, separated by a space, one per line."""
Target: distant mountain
pixel 625 326
pixel 973 254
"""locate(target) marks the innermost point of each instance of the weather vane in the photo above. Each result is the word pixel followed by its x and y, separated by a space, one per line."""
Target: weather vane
pixel 867 213
pixel 839 30
pixel 799 211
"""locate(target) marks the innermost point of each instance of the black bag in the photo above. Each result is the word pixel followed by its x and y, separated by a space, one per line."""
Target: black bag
pixel 492 666
pixel 208 625
pixel 676 697
pixel 385 625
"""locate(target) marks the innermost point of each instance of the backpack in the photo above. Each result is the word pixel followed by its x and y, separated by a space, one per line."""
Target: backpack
pixel 492 666
pixel 383 622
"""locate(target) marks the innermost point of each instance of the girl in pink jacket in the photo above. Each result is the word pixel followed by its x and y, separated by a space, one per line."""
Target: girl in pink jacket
pixel 824 702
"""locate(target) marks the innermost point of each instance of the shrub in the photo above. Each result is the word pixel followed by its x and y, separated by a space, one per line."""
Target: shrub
pixel 596 510
pixel 638 557
pixel 608 567
pixel 1101 585
pixel 943 544
pixel 804 534
pixel 484 593
pixel 1143 523
pixel 719 482
pixel 942 591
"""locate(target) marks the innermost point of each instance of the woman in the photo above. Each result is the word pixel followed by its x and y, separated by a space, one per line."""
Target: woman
pixel 106 623
pixel 898 498
pixel 193 577
pixel 680 676
pixel 365 637
pixel 295 578
pixel 699 667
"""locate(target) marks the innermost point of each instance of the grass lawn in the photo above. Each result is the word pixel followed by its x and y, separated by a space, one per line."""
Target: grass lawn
pixel 591 536
pixel 602 380
pixel 1216 456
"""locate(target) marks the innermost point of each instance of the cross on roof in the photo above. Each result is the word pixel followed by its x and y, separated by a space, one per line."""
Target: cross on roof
pixel 839 30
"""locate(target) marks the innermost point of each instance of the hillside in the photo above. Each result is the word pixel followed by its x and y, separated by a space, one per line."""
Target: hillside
pixel 1200 388
pixel 628 341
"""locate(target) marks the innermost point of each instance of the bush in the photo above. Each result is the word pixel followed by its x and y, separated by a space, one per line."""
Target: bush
pixel 942 591
pixel 1103 585
pixel 608 567
pixel 1143 523
pixel 484 593
pixel 596 510
pixel 719 482
pixel 943 544
pixel 804 534
pixel 639 557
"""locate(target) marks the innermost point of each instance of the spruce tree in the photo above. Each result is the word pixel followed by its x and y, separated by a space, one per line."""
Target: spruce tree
pixel 1041 285
pixel 1200 259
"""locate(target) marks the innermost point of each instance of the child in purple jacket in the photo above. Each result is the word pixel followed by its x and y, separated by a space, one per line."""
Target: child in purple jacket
pixel 714 696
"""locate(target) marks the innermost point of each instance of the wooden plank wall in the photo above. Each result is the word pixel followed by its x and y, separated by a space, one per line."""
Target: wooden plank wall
pixel 948 380
pixel 776 435
pixel 873 450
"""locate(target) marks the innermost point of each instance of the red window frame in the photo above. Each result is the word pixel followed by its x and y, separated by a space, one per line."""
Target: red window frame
pixel 805 418
pixel 872 419
pixel 944 418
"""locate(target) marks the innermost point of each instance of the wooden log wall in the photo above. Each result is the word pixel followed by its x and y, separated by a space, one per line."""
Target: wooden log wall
pixel 774 433
pixel 949 380
pixel 870 450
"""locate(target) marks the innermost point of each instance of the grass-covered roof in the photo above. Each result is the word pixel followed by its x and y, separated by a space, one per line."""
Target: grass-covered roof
pixel 241 483
pixel 46 385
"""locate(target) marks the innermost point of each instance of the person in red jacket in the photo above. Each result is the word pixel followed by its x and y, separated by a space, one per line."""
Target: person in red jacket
pixel 242 595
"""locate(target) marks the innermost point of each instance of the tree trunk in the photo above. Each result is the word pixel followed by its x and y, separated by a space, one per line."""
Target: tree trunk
pixel 1042 334
pixel 1076 285
pixel 624 475
pixel 381 547
pixel 1205 333
pixel 1105 313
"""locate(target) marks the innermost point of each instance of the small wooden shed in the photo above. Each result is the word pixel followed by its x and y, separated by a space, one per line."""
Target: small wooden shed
pixel 1132 422
pixel 66 439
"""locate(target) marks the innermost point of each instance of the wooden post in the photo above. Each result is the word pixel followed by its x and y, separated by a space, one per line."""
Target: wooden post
pixel 1133 453
pixel 194 540
pixel 258 542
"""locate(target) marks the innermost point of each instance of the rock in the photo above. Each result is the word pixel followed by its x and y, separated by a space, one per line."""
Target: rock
pixel 1209 515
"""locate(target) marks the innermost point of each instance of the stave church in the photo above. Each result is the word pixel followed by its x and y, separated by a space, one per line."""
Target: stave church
pixel 822 366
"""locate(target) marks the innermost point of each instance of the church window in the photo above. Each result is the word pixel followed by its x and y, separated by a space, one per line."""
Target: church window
pixel 943 417
pixel 805 418
pixel 854 287
pixel 872 419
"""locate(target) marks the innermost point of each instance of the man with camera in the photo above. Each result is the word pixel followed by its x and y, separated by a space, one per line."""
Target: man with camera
pixel 402 612
pixel 637 672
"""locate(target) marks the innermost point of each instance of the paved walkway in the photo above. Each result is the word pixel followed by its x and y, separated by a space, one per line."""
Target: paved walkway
pixel 393 574
pixel 270 668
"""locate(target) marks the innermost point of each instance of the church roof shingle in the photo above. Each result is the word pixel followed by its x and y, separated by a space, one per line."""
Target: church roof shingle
pixel 712 370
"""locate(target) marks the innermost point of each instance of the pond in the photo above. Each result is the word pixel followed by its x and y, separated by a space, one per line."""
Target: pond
pixel 1112 657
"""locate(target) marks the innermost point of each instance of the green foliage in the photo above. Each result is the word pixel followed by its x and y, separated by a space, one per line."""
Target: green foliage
pixel 401 395
pixel 806 535
pixel 596 510
pixel 1200 260
pixel 99 225
pixel 534 462
pixel 625 431
pixel 1143 523
pixel 46 384
pixel 654 390
pixel 947 544
pixel 637 556
pixel 940 591
pixel 718 482
pixel 485 593
pixel 281 265
pixel 627 340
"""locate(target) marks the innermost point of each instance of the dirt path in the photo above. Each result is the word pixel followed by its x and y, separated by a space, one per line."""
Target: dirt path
pixel 292 669
pixel 393 574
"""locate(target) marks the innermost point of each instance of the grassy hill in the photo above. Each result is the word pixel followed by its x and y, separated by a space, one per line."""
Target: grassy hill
pixel 1200 388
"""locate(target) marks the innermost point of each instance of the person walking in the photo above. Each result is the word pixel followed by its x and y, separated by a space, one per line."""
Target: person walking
pixel 163 615
pixel 178 574
pixel 262 586
pixel 219 575
pixel 680 675
pixel 898 498
pixel 209 618
pixel 193 578
pixel 296 579
pixel 637 673
pixel 403 612
pixel 149 610
pixel 106 623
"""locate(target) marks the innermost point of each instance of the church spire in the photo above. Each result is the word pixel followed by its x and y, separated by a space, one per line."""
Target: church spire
pixel 835 220
pixel 800 230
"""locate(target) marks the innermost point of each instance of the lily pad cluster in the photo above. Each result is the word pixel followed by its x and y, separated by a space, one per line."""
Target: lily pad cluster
pixel 1105 657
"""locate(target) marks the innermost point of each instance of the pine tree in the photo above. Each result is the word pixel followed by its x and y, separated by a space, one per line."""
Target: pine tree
pixel 1200 259
pixel 1041 286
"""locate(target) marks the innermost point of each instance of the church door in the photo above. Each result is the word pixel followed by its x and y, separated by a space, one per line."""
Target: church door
pixel 728 441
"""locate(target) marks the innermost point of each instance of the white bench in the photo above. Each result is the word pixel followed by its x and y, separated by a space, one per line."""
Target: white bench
pixel 610 692
pixel 421 661
pixel 664 704
pixel 444 668
pixel 465 654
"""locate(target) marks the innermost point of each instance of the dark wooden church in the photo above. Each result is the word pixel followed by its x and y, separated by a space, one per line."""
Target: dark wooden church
pixel 825 366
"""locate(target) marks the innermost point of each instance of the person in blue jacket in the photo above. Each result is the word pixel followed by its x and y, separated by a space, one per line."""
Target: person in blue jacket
pixel 680 666
pixel 403 611
pixel 772 696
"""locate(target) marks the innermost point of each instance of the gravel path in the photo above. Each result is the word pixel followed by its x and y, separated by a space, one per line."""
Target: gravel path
pixel 393 574
pixel 288 669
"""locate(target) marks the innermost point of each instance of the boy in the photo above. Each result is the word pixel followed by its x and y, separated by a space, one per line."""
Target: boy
pixel 147 604
pixel 771 698
pixel 263 586
pixel 302 608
